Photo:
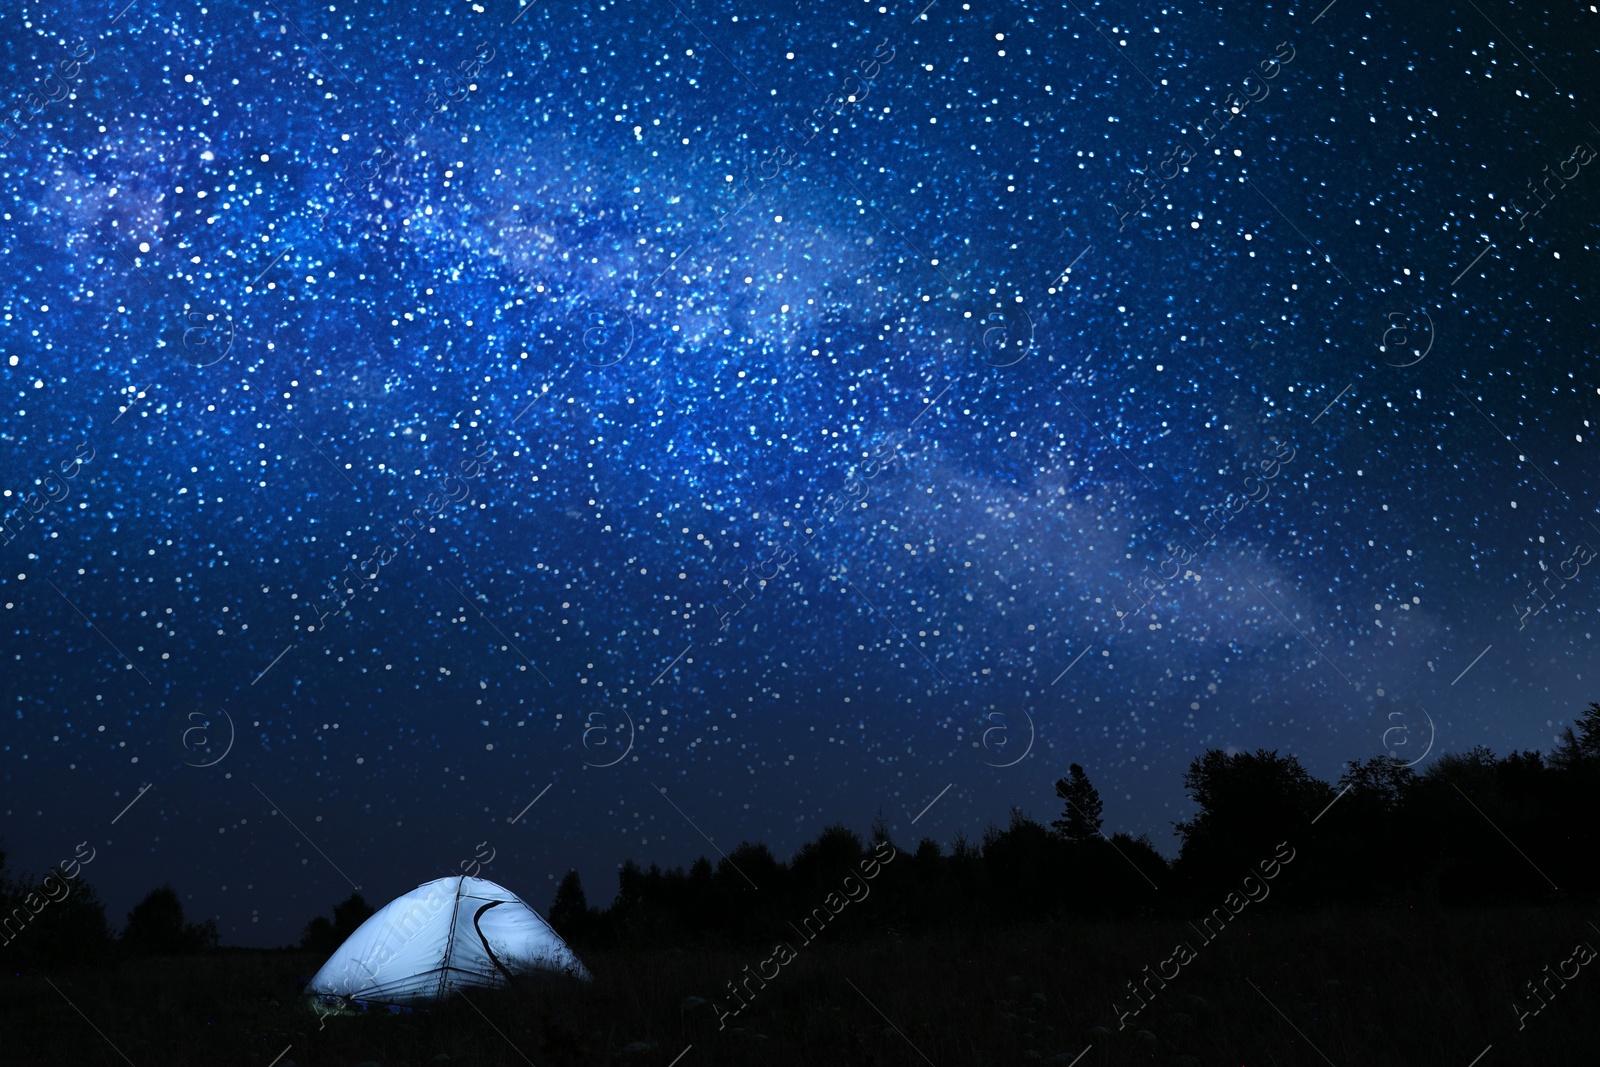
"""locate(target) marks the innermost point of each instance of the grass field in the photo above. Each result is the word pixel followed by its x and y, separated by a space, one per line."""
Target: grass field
pixel 1360 988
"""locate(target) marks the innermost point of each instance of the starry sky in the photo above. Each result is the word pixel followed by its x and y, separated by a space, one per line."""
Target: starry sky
pixel 564 433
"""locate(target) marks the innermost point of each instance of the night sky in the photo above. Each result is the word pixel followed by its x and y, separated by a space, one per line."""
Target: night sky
pixel 580 432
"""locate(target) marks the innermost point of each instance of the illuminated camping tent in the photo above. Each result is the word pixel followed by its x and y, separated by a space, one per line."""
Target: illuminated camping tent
pixel 445 935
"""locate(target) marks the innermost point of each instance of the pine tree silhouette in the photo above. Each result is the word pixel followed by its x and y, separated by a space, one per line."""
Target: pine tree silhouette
pixel 1580 749
pixel 570 910
pixel 1080 822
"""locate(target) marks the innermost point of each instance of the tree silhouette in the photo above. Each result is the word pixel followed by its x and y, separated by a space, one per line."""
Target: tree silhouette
pixel 569 911
pixel 753 861
pixel 1366 852
pixel 630 888
pixel 1027 865
pixel 1249 803
pixel 1388 836
pixel 1382 782
pixel 325 937
pixel 350 914
pixel 880 828
pixel 156 927
pixel 1579 750
pixel 819 864
pixel 58 921
pixel 318 937
pixel 1080 822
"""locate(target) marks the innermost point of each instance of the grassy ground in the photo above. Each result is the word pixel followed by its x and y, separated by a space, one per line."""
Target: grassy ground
pixel 1365 989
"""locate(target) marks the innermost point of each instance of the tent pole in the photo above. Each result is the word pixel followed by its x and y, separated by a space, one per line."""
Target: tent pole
pixel 450 939
pixel 486 946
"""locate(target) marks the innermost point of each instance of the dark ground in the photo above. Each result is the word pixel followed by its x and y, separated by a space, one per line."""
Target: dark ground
pixel 1357 988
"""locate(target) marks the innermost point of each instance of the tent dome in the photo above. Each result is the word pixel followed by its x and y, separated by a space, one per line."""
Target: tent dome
pixel 448 934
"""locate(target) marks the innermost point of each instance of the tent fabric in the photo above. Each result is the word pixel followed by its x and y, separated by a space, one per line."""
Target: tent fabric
pixel 445 935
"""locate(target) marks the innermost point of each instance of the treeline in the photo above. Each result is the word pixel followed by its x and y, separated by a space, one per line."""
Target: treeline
pixel 59 920
pixel 1472 828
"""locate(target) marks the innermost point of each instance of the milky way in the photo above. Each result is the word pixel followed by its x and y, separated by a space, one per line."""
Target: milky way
pixel 623 430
